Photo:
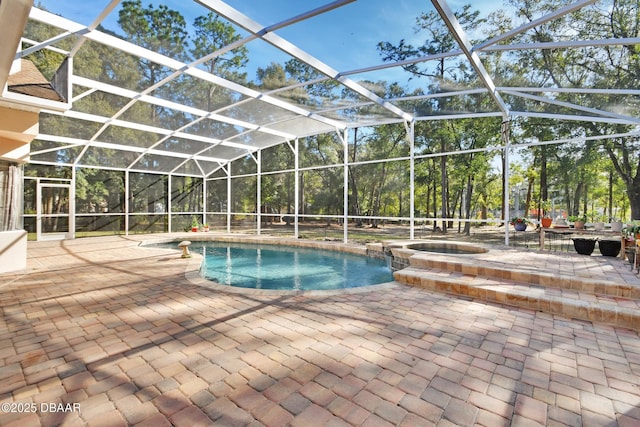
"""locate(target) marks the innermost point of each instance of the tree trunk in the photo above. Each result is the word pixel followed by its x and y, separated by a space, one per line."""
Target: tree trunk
pixel 610 198
pixel 630 174
pixel 544 190
pixel 567 200
pixel 530 183
pixel 301 209
pixel 435 200
pixel 585 201
pixel 467 207
pixel 444 183
pixel 427 207
pixel 576 199
pixel 543 180
pixel 352 179
pixel 378 196
pixel 633 192
pixel 455 203
pixel 503 207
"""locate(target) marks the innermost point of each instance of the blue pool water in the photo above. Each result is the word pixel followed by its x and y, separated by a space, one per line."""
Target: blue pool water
pixel 288 267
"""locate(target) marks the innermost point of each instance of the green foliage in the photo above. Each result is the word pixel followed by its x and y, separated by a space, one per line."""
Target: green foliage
pixel 574 174
pixel 438 40
pixel 578 218
pixel 519 220
pixel 161 30
pixel 631 230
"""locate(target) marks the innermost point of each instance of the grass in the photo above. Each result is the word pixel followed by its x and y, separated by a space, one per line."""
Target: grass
pixel 486 234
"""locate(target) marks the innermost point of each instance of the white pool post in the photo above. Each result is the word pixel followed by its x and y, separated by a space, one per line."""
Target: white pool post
pixel 410 128
pixel 505 138
pixel 258 161
pixel 184 245
pixel 345 191
pixel 296 198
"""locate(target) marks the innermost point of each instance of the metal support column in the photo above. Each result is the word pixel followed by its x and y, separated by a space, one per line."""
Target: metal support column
pixel 72 205
pixel 412 173
pixel 345 184
pixel 259 192
pixel 169 203
pixel 505 139
pixel 297 187
pixel 126 203
pixel 204 200
pixel 228 198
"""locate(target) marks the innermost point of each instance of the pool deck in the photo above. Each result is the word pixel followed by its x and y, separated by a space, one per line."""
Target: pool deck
pixel 103 332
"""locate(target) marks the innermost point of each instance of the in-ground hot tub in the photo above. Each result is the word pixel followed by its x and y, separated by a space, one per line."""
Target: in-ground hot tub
pixel 456 248
pixel 400 252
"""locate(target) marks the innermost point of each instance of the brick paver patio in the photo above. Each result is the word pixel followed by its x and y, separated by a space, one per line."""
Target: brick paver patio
pixel 101 332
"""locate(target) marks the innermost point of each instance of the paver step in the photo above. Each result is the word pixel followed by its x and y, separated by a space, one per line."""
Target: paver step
pixel 613 310
pixel 532 276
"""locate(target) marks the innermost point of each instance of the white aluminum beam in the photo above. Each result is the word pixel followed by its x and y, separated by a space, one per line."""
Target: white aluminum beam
pixel 458 33
pixel 600 91
pixel 572 106
pixel 101 17
pixel 178 66
pixel 572 118
pixel 579 139
pixel 491 46
pixel 568 44
pixel 147 128
pixel 484 46
pixel 45 44
pixel 536 22
pixel 267 35
pixel 21 54
pixel 126 93
pixel 74 142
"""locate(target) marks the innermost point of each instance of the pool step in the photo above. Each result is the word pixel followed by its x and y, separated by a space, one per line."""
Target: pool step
pixel 532 276
pixel 572 303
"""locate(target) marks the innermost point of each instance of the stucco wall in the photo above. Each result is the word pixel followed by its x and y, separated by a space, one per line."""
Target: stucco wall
pixel 13 250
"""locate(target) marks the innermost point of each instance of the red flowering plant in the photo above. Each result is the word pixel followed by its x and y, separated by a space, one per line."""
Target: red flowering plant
pixel 518 220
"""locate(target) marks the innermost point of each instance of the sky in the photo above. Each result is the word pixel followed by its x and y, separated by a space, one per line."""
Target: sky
pixel 345 39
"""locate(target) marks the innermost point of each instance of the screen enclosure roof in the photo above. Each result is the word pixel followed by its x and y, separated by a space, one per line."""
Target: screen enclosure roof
pixel 148 109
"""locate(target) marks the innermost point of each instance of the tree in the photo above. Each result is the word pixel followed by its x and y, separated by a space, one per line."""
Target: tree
pixel 211 35
pixel 161 30
pixel 446 73
pixel 607 67
pixel 624 154
pixel 438 40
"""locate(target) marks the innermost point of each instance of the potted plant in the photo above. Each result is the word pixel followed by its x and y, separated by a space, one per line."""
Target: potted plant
pixel 632 231
pixel 578 221
pixel 194 224
pixel 584 246
pixel 598 225
pixel 609 247
pixel 616 225
pixel 205 227
pixel 546 219
pixel 519 223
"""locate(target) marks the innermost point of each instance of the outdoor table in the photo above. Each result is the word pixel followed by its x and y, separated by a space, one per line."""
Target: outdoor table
pixel 522 236
pixel 582 232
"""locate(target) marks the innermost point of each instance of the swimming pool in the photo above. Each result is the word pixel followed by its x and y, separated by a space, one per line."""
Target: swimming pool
pixel 287 268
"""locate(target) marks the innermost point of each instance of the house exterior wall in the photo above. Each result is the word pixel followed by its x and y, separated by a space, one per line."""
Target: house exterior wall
pixel 17 129
pixel 13 250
